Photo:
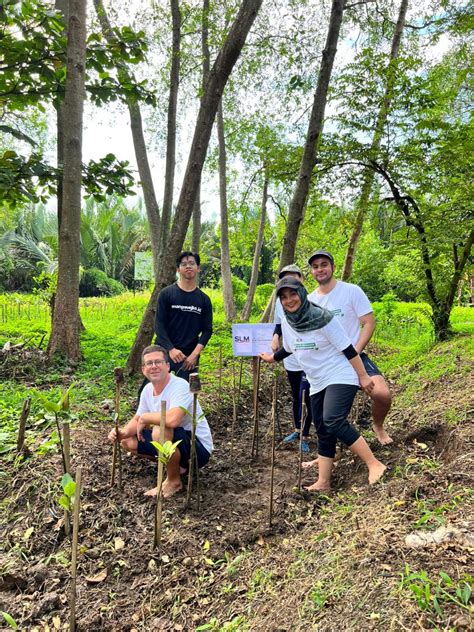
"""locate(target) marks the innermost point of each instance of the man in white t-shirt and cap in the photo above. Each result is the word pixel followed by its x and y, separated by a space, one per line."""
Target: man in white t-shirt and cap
pixel 349 303
pixel 144 427
pixel 296 377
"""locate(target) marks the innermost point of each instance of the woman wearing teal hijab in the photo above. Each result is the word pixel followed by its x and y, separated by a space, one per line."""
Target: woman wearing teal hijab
pixel 335 373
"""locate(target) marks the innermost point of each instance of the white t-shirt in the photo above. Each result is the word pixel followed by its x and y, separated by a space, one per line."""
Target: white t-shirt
pixel 319 354
pixel 348 302
pixel 290 363
pixel 176 394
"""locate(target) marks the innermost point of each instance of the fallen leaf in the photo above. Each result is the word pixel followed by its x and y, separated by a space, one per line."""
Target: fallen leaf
pixel 27 534
pixel 260 540
pixel 219 527
pixel 57 623
pixel 152 566
pixel 374 615
pixel 207 545
pixel 96 579
pixel 119 544
pixel 165 559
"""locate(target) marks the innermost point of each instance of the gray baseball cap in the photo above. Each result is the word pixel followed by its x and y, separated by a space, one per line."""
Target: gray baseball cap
pixel 291 269
pixel 288 281
pixel 321 253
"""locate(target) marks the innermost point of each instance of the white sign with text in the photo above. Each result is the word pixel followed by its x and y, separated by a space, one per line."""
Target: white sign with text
pixel 252 339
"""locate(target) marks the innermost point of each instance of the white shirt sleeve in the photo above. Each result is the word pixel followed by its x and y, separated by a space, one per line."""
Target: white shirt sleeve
pixel 336 335
pixel 278 312
pixel 360 302
pixel 144 403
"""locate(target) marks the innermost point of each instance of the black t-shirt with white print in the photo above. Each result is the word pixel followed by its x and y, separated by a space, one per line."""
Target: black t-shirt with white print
pixel 183 319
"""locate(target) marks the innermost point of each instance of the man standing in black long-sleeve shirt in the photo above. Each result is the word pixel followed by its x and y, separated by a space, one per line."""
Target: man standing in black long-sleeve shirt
pixel 183 320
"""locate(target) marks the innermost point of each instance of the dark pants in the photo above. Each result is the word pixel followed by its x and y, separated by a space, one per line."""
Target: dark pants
pixel 331 408
pixel 299 390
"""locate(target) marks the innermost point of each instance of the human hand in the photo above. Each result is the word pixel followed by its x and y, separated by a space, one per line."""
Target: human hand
pixel 141 425
pixel 176 355
pixel 366 384
pixel 267 357
pixel 275 342
pixel 112 436
pixel 191 361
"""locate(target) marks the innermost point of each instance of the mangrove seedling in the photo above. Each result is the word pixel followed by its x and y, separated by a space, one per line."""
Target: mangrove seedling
pixel 60 409
pixel 69 489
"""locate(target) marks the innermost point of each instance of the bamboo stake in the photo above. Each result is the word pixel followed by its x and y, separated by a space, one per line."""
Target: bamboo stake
pixel 75 532
pixel 159 481
pixel 240 381
pixel 194 387
pixel 300 455
pixel 67 459
pixel 25 411
pixel 220 380
pixel 272 474
pixel 256 380
pixel 117 450
pixel 234 414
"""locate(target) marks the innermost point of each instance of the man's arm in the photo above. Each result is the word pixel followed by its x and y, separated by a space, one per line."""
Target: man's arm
pixel 367 323
pixel 174 417
pixel 129 430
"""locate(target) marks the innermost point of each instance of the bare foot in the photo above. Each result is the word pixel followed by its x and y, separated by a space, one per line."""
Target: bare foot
pixel 307 464
pixel 151 492
pixel 319 486
pixel 376 471
pixel 168 489
pixel 381 434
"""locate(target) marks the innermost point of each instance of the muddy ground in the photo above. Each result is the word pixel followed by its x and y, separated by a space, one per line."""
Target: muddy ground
pixel 327 562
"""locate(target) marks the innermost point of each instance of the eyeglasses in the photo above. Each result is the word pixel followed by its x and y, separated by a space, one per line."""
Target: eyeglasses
pixel 150 363
pixel 185 264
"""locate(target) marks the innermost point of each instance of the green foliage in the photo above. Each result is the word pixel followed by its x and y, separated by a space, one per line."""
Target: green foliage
pixel 240 289
pixel 433 595
pixel 66 500
pixel 94 282
pixel 9 620
pixel 165 450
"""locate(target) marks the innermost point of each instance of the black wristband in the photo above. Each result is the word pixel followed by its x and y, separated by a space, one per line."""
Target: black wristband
pixel 350 352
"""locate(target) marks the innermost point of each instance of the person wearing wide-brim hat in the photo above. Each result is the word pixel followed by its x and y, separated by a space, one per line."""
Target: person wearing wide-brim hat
pixel 335 372
pixel 299 385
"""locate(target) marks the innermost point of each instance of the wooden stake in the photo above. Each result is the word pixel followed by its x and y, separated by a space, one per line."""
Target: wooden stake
pixel 193 453
pixel 117 450
pixel 272 474
pixel 75 532
pixel 300 455
pixel 220 380
pixel 234 413
pixel 240 381
pixel 159 481
pixel 25 411
pixel 256 381
pixel 67 459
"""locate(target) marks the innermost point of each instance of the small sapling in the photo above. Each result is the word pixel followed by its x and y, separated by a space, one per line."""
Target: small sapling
pixel 60 409
pixel 69 490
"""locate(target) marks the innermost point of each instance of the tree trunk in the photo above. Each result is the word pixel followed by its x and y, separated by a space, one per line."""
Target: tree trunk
pixel 171 126
pixel 229 305
pixel 141 155
pixel 369 175
pixel 65 329
pixel 197 217
pixel 300 195
pixel 207 111
pixel 245 315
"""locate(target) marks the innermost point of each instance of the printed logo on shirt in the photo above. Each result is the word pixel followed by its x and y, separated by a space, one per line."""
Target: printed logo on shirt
pixel 188 308
pixel 305 345
pixel 337 312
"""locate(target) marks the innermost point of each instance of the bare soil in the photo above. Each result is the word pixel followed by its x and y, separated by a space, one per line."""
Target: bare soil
pixel 327 562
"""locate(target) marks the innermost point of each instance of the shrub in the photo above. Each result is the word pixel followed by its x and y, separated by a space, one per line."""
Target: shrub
pixel 95 282
pixel 240 289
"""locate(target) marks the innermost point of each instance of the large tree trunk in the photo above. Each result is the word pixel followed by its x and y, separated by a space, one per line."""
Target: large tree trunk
pixel 308 162
pixel 207 111
pixel 369 175
pixel 141 154
pixel 171 126
pixel 229 305
pixel 245 315
pixel 206 65
pixel 65 330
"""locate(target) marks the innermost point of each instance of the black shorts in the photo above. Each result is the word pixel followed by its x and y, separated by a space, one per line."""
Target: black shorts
pixel 179 434
pixel 369 365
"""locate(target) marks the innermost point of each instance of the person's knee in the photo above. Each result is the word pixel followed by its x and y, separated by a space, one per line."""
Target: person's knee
pixel 381 394
pixel 129 444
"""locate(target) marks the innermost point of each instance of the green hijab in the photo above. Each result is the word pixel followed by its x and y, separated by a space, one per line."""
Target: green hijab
pixel 309 316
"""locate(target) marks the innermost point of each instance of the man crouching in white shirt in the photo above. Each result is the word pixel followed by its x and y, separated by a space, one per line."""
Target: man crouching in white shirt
pixel 144 427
